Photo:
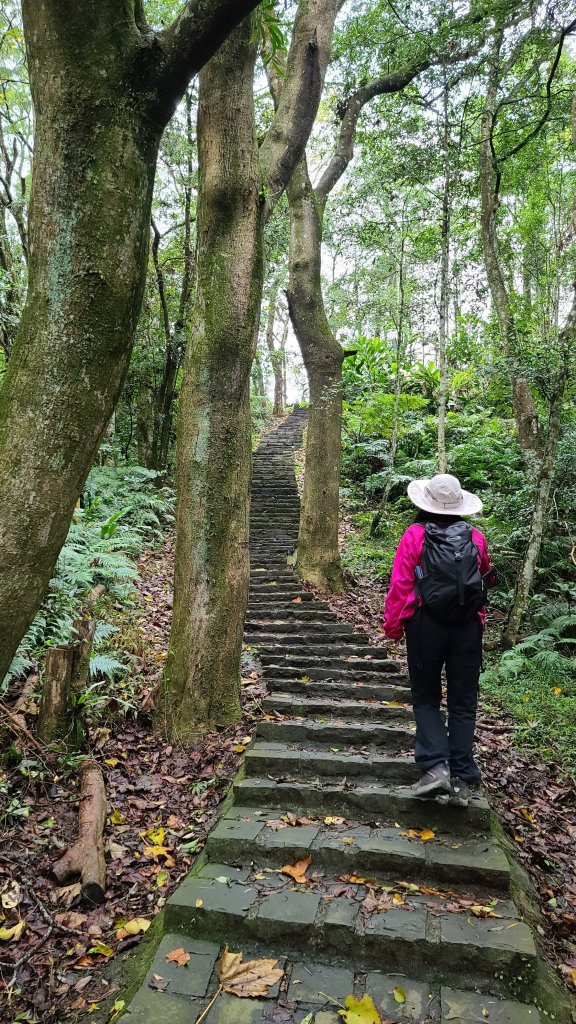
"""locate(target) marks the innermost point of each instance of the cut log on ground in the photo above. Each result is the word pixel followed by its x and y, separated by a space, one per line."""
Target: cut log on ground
pixel 86 857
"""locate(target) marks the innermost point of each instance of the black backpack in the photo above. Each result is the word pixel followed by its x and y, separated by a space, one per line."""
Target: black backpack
pixel 449 583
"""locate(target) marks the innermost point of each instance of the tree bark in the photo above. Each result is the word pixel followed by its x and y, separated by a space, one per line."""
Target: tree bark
pixel 103 87
pixel 202 679
pixel 276 354
pixel 525 413
pixel 240 185
pixel 444 290
pixel 318 557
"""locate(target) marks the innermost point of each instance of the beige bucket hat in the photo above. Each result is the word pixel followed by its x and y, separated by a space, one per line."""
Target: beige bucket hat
pixel 443 495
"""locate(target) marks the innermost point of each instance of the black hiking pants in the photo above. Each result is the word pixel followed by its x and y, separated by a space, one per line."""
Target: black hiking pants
pixel 431 647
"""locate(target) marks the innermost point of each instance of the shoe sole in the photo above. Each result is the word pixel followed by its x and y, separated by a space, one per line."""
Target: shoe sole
pixel 458 801
pixel 431 787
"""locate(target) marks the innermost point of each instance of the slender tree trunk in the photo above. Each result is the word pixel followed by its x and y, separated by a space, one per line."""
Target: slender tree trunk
pixel 318 559
pixel 275 353
pixel 103 86
pixel 240 184
pixel 444 291
pixel 525 413
pixel 202 678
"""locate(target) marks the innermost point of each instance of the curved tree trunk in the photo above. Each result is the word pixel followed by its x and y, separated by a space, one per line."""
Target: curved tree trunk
pixel 318 559
pixel 202 677
pixel 103 86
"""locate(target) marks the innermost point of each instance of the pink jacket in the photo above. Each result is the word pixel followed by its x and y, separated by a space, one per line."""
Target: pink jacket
pixel 400 599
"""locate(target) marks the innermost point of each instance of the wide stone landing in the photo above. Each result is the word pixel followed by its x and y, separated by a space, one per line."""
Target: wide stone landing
pixel 404 899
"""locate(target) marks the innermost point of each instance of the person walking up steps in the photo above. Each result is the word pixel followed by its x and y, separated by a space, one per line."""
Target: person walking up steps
pixel 436 598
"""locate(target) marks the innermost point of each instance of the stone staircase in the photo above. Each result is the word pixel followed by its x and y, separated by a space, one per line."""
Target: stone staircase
pixel 405 899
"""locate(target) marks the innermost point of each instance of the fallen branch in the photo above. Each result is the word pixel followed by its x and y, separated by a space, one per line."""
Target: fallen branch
pixel 86 856
pixel 16 724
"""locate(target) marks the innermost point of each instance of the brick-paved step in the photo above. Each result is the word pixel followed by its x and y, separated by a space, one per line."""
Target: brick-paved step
pixel 310 762
pixel 365 802
pixel 190 989
pixel 425 945
pixel 390 688
pixel 325 708
pixel 243 837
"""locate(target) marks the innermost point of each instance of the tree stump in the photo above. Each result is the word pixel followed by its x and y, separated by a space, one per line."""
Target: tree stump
pixel 86 857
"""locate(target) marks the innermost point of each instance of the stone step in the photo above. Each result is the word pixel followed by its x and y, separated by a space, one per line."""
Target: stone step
pixel 302 627
pixel 301 664
pixel 307 984
pixel 388 736
pixel 317 672
pixel 243 837
pixel 385 690
pixel 316 644
pixel 283 760
pixel 290 612
pixel 422 944
pixel 327 708
pixel 366 802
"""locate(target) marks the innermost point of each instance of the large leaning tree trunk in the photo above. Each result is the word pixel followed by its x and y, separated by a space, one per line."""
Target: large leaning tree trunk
pixel 318 558
pixel 103 86
pixel 240 185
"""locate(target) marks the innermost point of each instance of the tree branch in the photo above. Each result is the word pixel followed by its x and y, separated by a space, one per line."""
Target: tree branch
pixel 299 94
pixel 189 43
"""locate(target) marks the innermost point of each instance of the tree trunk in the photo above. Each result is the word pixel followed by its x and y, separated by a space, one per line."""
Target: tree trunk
pixel 275 353
pixel 103 87
pixel 525 413
pixel 202 678
pixel 444 293
pixel 86 857
pixel 318 558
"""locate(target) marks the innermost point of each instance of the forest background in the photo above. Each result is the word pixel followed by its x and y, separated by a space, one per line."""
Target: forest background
pixel 421 257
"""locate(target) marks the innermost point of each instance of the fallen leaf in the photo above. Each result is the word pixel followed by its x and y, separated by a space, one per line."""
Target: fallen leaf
pixel 246 980
pixel 178 956
pixel 117 818
pixel 70 919
pixel 133 927
pixel 101 949
pixel 10 895
pixel 158 982
pixel 399 994
pixel 199 903
pixel 297 871
pixel 8 934
pixel 360 1011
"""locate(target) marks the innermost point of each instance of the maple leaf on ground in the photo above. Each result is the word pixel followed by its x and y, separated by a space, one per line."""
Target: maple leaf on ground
pixel 361 1011
pixel 178 956
pixel 246 980
pixel 298 870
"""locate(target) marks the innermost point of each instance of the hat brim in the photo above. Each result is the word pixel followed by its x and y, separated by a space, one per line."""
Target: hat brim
pixel 468 506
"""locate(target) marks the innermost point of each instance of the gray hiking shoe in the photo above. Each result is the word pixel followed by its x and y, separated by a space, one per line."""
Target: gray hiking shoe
pixel 460 792
pixel 437 779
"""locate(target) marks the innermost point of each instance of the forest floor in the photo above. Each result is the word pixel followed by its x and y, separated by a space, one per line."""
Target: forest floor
pixel 161 805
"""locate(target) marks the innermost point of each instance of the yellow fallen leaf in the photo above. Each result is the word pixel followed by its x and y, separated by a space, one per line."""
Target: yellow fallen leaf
pixel 529 815
pixel 8 934
pixel 199 903
pixel 298 870
pixel 133 927
pixel 10 896
pixel 557 691
pixel 117 818
pixel 156 836
pixel 112 761
pixel 398 899
pixel 102 949
pixel 178 956
pixel 246 980
pixel 360 1011
pixel 332 820
pixel 156 851
pixel 399 994
pixel 480 911
pixel 162 879
pixel 240 748
pixel 247 740
pixel 485 1012
pixel 349 840
pixel 426 834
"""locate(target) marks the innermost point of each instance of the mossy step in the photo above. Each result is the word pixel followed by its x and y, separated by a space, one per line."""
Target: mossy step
pixel 327 708
pixel 387 689
pixel 366 802
pixel 442 947
pixel 307 985
pixel 243 837
pixel 311 762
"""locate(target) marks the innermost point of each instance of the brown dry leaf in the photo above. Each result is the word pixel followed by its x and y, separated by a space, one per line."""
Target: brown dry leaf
pixel 247 980
pixel 70 919
pixel 298 870
pixel 178 956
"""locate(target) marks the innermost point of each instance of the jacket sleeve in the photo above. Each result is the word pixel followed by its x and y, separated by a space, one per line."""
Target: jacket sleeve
pixel 485 563
pixel 401 583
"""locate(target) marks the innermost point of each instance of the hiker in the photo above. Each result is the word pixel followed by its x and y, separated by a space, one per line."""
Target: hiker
pixel 437 596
